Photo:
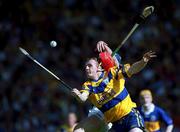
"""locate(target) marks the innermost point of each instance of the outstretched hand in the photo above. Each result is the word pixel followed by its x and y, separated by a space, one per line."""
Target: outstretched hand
pixel 147 56
pixel 102 46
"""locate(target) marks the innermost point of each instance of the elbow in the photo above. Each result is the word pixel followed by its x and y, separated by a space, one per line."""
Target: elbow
pixel 82 99
pixel 169 128
pixel 130 73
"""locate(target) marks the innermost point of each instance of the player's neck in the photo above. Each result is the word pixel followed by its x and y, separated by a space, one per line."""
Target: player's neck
pixel 97 76
pixel 148 107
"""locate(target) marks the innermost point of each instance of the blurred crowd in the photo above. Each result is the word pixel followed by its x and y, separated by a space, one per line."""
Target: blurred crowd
pixel 32 100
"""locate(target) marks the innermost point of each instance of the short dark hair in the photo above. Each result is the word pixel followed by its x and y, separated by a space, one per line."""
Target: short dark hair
pixel 92 58
pixel 98 63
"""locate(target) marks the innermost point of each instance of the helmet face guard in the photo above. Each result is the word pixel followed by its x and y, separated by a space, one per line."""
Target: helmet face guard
pixel 106 60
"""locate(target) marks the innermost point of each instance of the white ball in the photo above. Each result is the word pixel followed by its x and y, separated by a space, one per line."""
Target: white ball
pixel 53 43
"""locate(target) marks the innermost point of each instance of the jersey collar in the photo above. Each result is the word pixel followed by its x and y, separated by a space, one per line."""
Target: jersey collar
pixel 101 76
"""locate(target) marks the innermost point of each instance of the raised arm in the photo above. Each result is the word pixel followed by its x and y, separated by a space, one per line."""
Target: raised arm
pixel 139 65
pixel 102 46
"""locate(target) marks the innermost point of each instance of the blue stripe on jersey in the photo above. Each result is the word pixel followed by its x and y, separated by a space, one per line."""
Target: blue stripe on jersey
pixel 114 101
pixel 102 85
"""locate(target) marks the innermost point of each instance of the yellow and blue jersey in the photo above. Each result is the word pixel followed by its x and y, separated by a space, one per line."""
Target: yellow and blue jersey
pixel 109 94
pixel 154 119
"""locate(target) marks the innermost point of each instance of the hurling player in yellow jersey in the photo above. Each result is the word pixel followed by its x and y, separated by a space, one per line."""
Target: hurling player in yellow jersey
pixel 106 91
pixel 95 121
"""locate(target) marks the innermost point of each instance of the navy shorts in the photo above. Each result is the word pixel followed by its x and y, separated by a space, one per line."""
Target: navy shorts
pixel 130 121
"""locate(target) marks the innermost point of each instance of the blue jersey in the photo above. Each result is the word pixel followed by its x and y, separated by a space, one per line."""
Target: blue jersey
pixel 154 118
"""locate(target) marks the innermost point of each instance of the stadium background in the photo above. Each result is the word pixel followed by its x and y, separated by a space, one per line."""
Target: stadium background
pixel 32 100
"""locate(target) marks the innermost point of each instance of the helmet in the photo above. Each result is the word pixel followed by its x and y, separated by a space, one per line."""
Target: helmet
pixel 106 60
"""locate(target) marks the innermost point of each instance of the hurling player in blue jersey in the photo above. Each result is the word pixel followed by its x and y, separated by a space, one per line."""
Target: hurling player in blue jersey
pixel 106 90
pixel 152 114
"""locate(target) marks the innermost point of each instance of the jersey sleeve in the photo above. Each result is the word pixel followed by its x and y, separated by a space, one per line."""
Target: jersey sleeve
pixel 117 59
pixel 85 88
pixel 165 117
pixel 125 69
pixel 121 72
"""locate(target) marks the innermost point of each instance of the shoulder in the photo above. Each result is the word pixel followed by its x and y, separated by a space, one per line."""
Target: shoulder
pixel 159 109
pixel 139 108
pixel 127 66
pixel 112 72
pixel 86 86
pixel 87 83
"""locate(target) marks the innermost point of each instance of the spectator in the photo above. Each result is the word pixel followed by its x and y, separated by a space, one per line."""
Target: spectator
pixel 71 123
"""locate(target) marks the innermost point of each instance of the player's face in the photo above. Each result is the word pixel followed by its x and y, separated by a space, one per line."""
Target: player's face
pixel 146 99
pixel 91 68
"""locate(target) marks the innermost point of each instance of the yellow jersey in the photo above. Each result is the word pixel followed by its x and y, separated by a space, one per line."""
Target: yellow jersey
pixel 109 94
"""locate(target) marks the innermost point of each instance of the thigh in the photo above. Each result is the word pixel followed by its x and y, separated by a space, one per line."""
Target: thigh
pixel 92 124
pixel 118 127
pixel 134 122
